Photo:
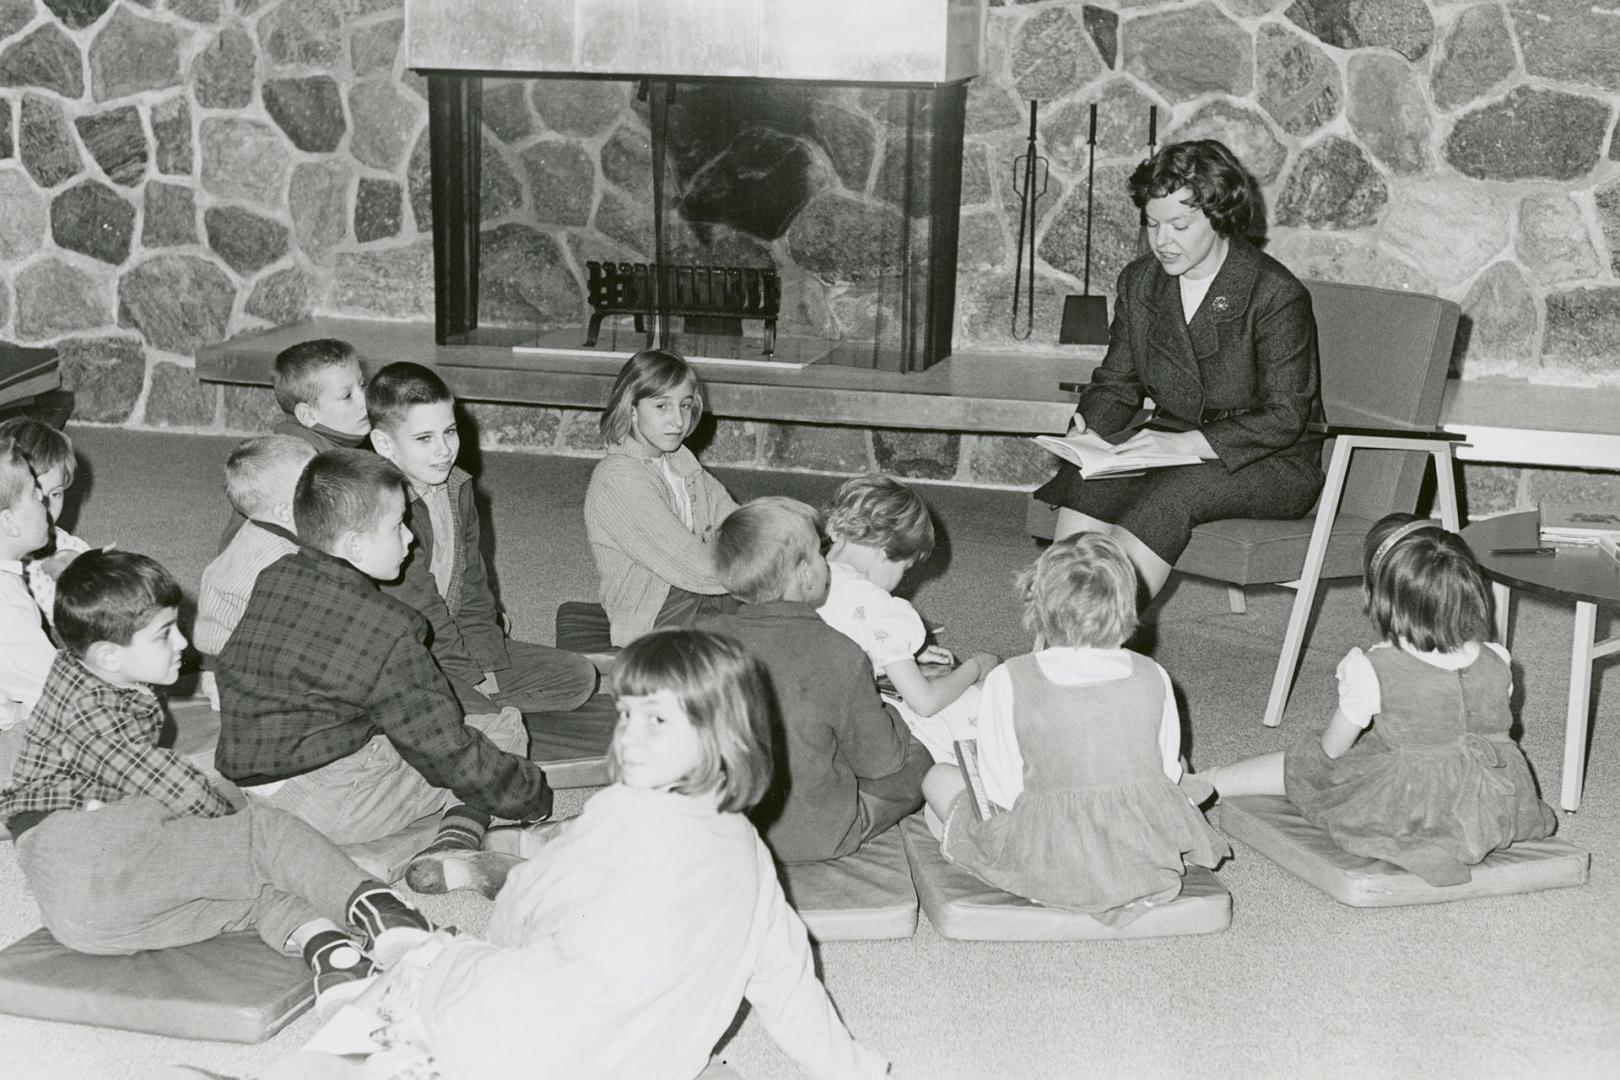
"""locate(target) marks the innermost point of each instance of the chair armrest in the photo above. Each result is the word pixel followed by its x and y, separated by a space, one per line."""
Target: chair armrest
pixel 1422 434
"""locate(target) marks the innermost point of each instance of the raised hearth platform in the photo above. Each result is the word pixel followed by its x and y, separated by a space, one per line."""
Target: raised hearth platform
pixel 993 393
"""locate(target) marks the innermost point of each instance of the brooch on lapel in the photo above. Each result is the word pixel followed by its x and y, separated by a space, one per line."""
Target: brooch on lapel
pixel 1220 305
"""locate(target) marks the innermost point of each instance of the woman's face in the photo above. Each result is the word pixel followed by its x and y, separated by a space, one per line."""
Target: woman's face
pixel 1183 239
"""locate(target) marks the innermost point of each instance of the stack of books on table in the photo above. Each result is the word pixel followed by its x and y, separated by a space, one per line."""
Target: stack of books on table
pixel 1569 527
pixel 1097 459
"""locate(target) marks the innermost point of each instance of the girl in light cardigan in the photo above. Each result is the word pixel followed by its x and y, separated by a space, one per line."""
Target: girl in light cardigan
pixel 624 945
pixel 651 510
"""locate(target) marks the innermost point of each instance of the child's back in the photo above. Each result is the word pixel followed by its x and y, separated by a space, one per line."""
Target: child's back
pixel 1087 726
pixel 1438 783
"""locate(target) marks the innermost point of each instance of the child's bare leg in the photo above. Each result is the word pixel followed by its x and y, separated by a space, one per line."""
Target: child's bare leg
pixel 941 786
pixel 1262 775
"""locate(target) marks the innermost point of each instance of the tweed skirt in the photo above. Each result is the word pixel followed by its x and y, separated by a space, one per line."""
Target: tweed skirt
pixel 1161 507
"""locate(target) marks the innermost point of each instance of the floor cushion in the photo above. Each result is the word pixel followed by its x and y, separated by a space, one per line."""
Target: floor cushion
pixel 864 896
pixel 963 908
pixel 232 988
pixel 582 627
pixel 572 747
pixel 1273 827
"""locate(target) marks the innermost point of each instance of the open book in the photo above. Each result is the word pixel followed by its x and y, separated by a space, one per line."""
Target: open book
pixel 967 756
pixel 1097 459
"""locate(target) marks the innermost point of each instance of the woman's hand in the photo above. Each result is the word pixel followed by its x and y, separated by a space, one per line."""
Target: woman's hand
pixel 1077 425
pixel 1169 442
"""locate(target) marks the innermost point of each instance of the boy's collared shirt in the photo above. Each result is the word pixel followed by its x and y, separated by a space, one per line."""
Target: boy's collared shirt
pixel 89 739
pixel 321 661
pixel 228 581
pixel 26 653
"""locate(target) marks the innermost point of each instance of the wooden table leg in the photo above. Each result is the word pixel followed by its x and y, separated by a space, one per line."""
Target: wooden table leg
pixel 1580 704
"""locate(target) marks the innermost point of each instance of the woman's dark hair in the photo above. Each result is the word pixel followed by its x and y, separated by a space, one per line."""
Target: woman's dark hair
pixel 1216 181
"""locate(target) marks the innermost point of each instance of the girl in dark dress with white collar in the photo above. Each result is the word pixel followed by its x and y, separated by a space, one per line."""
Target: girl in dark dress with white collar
pixel 1220 336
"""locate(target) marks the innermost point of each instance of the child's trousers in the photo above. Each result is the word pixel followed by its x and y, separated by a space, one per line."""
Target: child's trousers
pixel 131 876
pixel 374 792
pixel 538 678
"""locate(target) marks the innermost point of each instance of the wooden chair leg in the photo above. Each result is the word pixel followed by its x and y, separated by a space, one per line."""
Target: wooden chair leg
pixel 1236 600
pixel 1580 704
pixel 1445 486
pixel 1305 599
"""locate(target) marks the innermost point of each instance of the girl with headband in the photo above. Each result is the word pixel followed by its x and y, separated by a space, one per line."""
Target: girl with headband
pixel 1437 783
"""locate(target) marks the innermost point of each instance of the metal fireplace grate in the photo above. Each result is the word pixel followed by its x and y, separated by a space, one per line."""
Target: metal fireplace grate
pixel 715 298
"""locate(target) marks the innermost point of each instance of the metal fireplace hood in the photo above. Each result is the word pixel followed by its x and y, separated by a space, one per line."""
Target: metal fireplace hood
pixel 917 42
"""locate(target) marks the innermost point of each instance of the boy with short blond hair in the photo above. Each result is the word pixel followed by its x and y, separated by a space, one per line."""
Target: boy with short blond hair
pixel 331 704
pixel 848 767
pixel 320 387
pixel 413 424
pixel 127 846
pixel 260 477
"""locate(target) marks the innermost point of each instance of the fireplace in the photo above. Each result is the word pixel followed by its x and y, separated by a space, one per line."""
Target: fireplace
pixel 784 176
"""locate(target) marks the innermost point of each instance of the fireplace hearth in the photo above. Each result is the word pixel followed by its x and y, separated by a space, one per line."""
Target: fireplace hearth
pixel 787 206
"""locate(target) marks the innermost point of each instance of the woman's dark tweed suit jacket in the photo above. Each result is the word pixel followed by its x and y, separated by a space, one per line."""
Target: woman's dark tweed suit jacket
pixel 1244 371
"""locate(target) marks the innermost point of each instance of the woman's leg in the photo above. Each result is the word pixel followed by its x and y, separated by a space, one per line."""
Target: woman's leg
pixel 1153 570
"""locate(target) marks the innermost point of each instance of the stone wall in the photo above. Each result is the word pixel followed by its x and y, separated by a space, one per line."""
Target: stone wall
pixel 176 171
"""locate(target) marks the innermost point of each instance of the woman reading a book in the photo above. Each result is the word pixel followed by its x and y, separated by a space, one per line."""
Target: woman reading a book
pixel 1221 338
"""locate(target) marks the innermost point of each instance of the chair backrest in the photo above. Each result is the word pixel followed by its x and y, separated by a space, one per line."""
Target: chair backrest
pixel 1384 355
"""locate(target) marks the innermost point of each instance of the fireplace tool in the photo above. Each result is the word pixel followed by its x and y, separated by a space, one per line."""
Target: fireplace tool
pixel 1085 317
pixel 1031 173
pixel 1143 244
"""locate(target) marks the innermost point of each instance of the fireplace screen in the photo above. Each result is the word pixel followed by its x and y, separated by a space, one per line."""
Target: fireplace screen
pixel 732 219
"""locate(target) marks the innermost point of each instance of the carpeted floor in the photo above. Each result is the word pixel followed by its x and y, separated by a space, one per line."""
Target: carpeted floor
pixel 1298 987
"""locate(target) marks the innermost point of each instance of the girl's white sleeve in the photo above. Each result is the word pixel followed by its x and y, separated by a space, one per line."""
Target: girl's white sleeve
pixel 794 1005
pixel 1359 698
pixel 1170 731
pixel 1001 762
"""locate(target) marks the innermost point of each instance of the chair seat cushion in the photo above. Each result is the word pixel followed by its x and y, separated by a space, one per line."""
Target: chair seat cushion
pixel 572 747
pixel 864 896
pixel 963 908
pixel 1272 826
pixel 232 988
pixel 1247 551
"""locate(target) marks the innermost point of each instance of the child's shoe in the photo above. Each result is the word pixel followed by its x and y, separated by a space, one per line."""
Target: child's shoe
pixel 340 969
pixel 389 925
pixel 482 871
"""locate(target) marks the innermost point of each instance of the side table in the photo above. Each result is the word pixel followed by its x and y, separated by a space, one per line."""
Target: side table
pixel 1585 575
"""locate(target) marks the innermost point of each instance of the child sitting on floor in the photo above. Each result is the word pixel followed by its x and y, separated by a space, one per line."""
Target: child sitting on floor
pixel 331 705
pixel 1417 766
pixel 126 846
pixel 50 454
pixel 1079 749
pixel 651 510
pixel 413 424
pixel 625 947
pixel 319 386
pixel 847 768
pixel 879 528
pixel 260 477
pixel 26 652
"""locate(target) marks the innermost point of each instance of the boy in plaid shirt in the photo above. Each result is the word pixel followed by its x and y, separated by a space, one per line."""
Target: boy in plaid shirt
pixel 331 706
pixel 127 846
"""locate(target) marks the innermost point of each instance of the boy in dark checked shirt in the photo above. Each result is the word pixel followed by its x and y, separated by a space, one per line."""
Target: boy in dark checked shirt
pixel 331 706
pixel 127 846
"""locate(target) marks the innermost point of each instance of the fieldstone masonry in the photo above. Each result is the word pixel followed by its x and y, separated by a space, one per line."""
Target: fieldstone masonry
pixel 172 173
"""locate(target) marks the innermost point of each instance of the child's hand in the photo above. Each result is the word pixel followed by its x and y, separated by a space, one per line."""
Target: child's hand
pixel 490 685
pixel 936 654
